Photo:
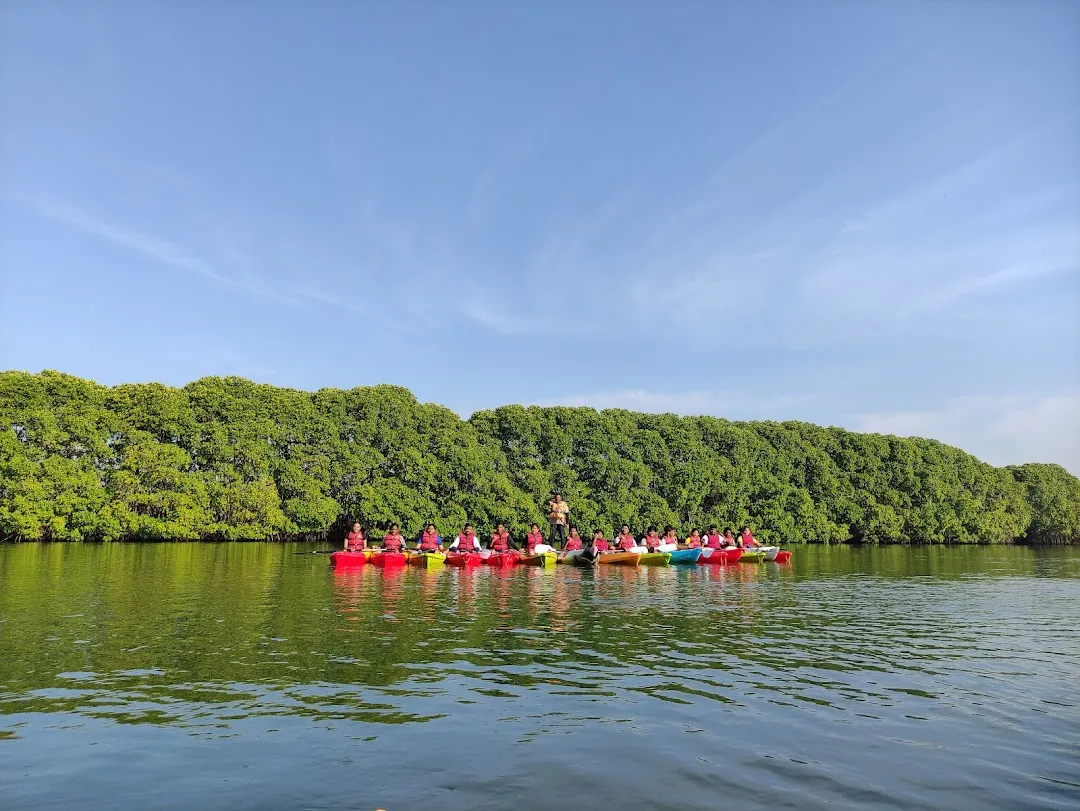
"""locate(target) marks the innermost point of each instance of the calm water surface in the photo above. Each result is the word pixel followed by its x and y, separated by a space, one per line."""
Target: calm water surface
pixel 247 676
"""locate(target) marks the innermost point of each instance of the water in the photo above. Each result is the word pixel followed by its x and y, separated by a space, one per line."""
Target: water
pixel 246 676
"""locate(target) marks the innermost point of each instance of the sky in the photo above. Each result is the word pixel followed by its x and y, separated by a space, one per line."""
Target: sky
pixel 854 214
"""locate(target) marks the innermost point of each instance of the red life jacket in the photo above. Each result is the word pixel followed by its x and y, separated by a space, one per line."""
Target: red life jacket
pixel 693 542
pixel 355 541
pixel 500 543
pixel 429 542
pixel 712 541
pixel 626 542
pixel 572 544
pixel 392 543
pixel 466 543
pixel 651 543
pixel 532 539
pixel 747 539
pixel 601 544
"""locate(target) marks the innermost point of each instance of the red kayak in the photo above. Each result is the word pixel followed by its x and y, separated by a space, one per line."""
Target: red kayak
pixel 343 559
pixel 387 560
pixel 783 556
pixel 716 557
pixel 501 559
pixel 463 559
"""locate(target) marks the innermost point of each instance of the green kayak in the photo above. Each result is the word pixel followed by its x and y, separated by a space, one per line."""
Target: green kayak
pixel 752 556
pixel 655 558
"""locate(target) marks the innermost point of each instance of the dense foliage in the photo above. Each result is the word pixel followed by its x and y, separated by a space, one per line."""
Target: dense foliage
pixel 230 459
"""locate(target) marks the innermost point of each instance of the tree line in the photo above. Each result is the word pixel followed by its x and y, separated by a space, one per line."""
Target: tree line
pixel 228 459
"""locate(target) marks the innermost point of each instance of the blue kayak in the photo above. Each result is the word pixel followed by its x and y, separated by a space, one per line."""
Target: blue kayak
pixel 689 556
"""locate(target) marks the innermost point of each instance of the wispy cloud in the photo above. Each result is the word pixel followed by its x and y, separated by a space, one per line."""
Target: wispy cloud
pixel 1000 430
pixel 158 250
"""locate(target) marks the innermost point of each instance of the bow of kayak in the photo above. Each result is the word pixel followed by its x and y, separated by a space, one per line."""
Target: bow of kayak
pixel 462 560
pixel 501 559
pixel 427 560
pixel 752 556
pixel 385 560
pixel 686 556
pixel 542 559
pixel 342 558
pixel 655 559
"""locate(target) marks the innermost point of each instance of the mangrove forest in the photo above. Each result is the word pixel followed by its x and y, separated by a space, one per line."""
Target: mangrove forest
pixel 229 459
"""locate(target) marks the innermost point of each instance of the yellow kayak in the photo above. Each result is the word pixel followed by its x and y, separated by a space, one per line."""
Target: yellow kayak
pixel 655 558
pixel 543 559
pixel 620 558
pixel 427 560
pixel 752 556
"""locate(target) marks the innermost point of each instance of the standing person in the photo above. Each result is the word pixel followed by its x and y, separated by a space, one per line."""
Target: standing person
pixel 467 540
pixel 355 540
pixel 429 540
pixel 559 517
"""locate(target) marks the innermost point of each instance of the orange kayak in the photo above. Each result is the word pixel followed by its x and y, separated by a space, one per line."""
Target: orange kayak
pixel 620 558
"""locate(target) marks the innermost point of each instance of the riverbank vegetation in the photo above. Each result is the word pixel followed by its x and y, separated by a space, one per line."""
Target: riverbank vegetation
pixel 225 458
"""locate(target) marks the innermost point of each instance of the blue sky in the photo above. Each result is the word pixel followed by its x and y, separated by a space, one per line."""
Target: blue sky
pixel 856 214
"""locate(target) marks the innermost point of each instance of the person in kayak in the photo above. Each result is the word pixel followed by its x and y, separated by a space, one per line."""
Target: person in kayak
pixel 466 541
pixel 392 540
pixel 670 541
pixel 651 540
pixel 430 541
pixel 713 539
pixel 355 540
pixel 728 541
pixel 626 540
pixel 694 540
pixel 597 546
pixel 746 540
pixel 500 540
pixel 573 541
pixel 534 541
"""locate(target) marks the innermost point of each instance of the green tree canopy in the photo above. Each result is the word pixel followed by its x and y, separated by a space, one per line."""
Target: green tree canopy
pixel 225 458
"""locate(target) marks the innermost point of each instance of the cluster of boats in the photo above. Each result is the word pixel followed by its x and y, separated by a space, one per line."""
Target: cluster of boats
pixel 685 557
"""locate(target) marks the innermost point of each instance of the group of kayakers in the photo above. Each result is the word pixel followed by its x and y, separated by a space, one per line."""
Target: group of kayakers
pixel 467 540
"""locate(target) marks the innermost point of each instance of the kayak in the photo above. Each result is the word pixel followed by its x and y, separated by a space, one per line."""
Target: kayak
pixel 385 560
pixel 689 556
pixel 501 559
pixel 715 557
pixel 752 556
pixel 427 560
pixel 783 556
pixel 569 557
pixel 620 558
pixel 655 559
pixel 463 559
pixel 542 559
pixel 343 558
pixel 770 551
